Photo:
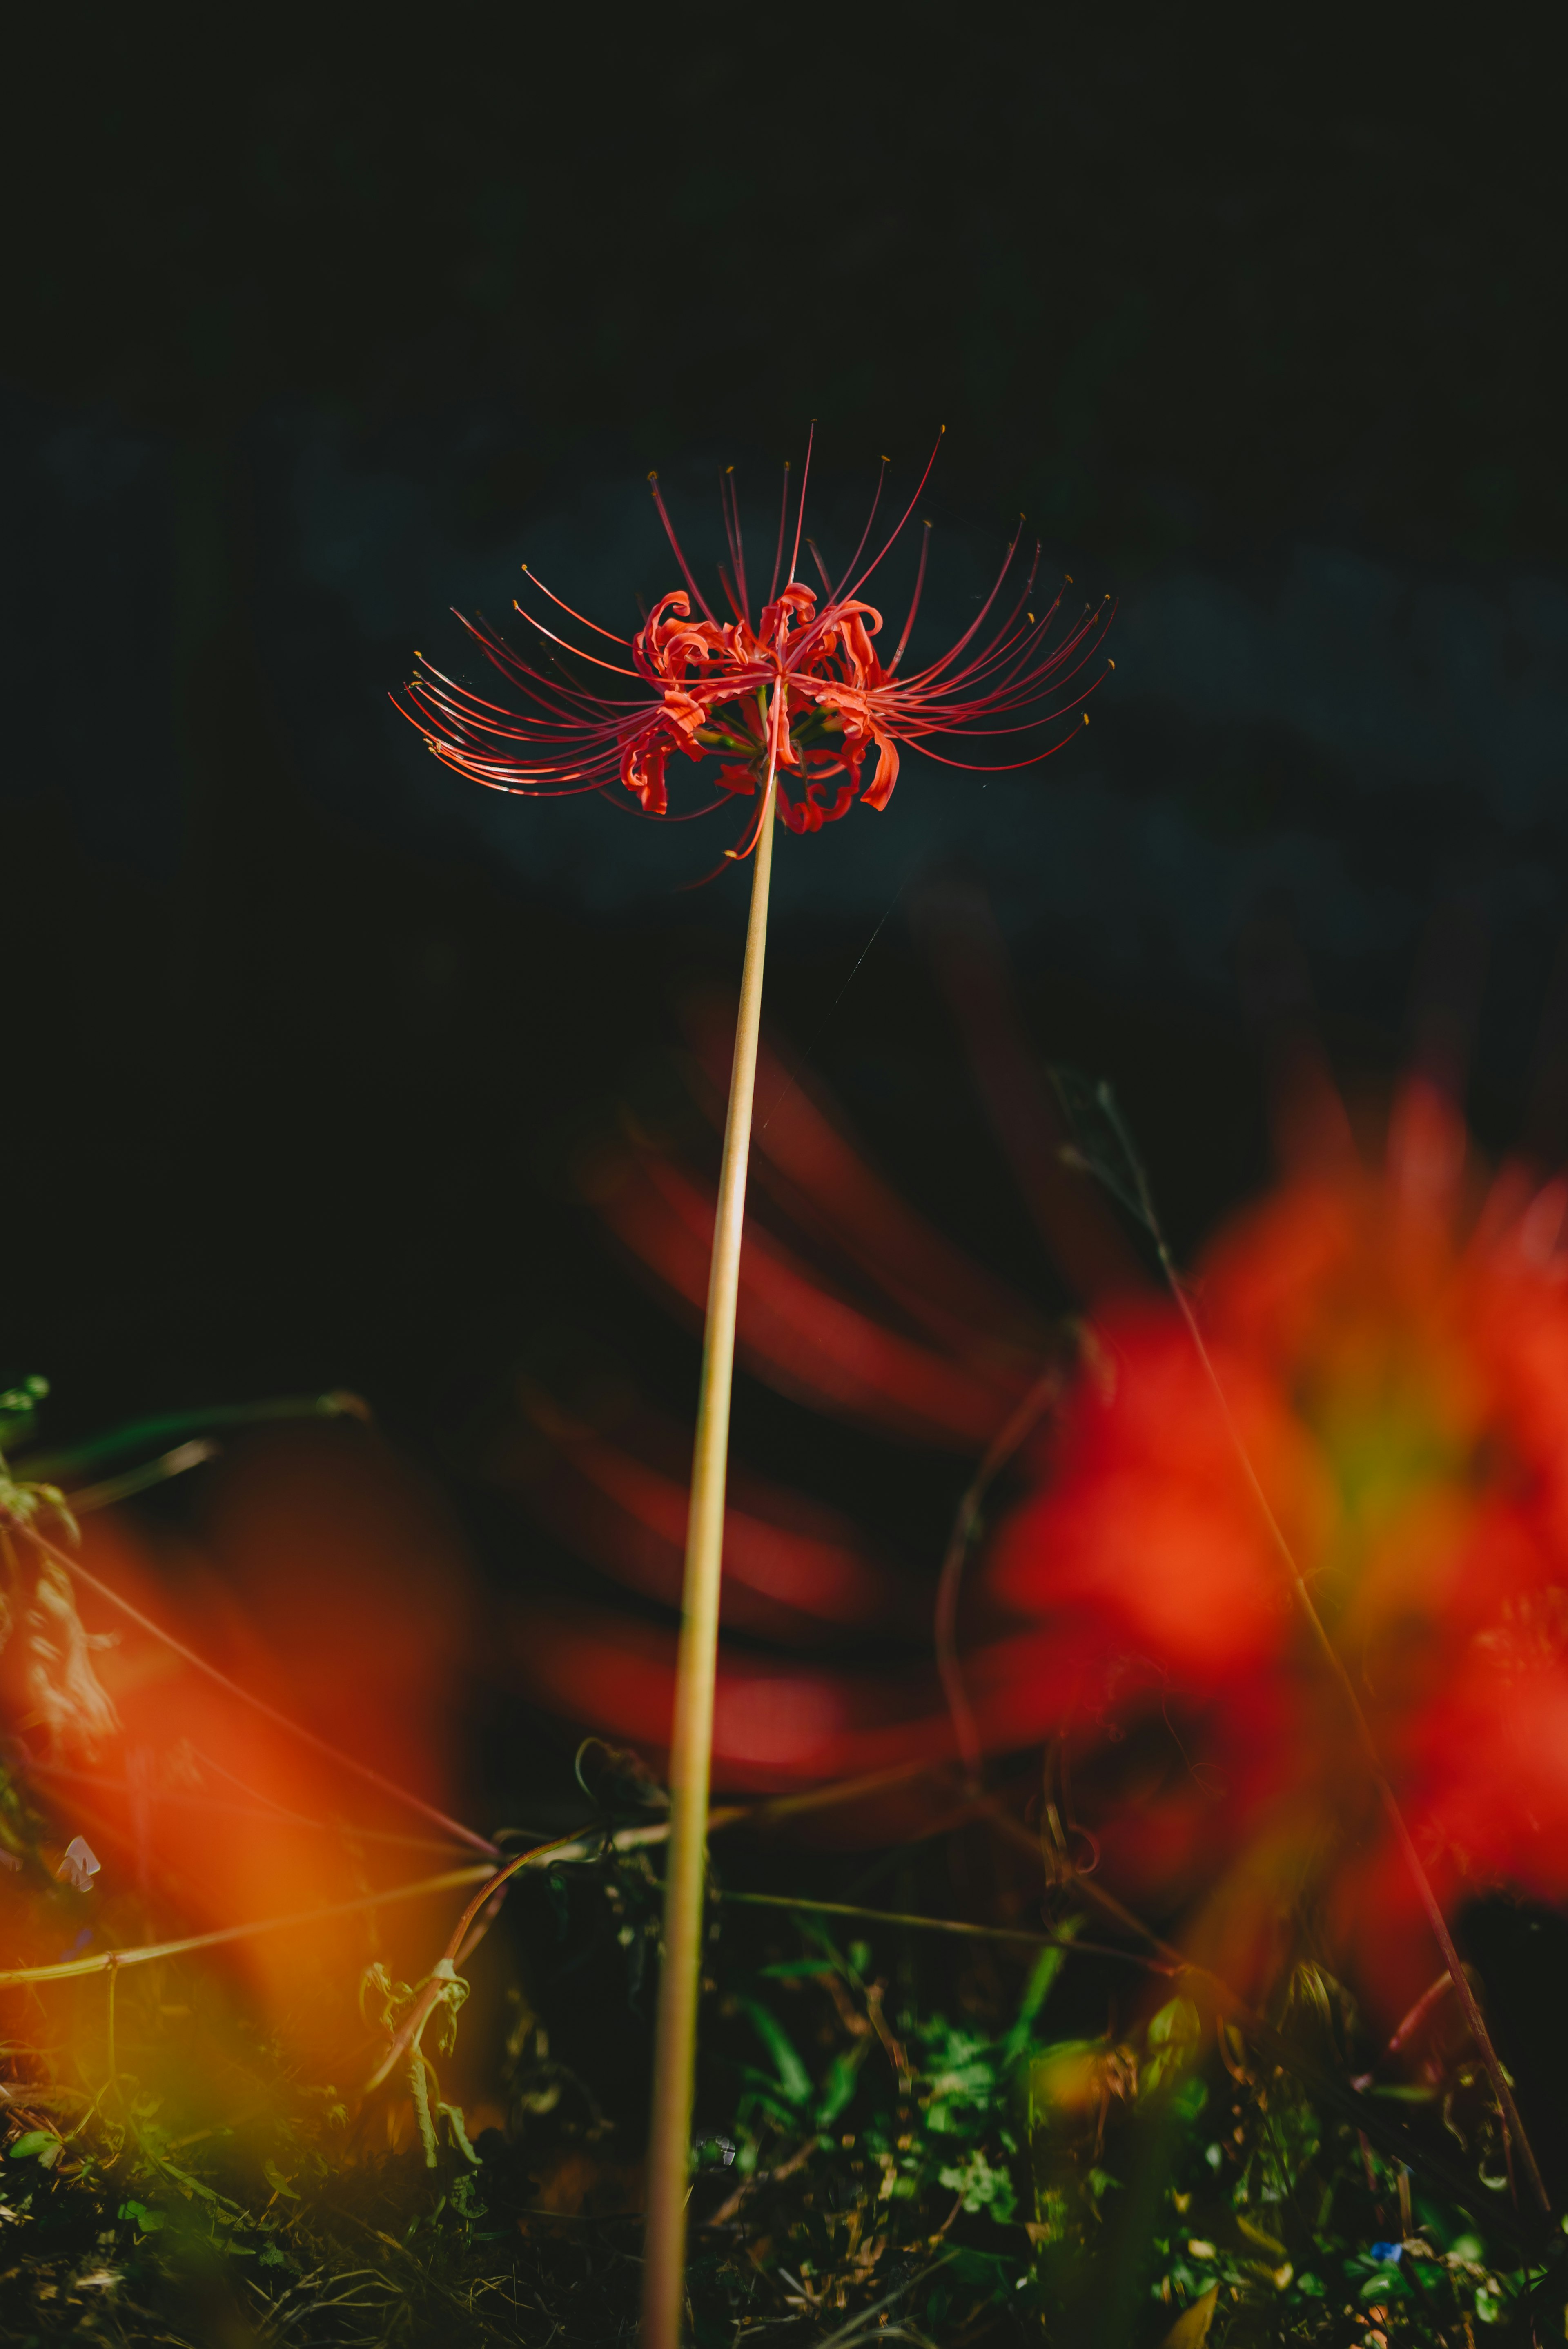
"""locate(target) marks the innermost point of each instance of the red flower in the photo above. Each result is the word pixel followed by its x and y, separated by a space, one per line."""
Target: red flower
pixel 1396 1355
pixel 1392 1341
pixel 803 682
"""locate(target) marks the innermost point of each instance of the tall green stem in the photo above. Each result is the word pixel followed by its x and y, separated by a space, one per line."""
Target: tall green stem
pixel 675 2055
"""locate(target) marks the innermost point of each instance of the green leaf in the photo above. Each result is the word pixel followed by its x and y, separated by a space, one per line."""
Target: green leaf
pixel 453 2116
pixel 838 2086
pixel 792 2078
pixel 982 2186
pixel 172 1427
pixel 1178 2023
pixel 1042 1980
pixel 222 2208
pixel 1173 2034
pixel 1190 2098
pixel 37 2144
pixel 147 2222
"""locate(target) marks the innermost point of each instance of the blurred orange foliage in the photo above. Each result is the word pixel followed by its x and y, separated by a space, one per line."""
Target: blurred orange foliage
pixel 327 1582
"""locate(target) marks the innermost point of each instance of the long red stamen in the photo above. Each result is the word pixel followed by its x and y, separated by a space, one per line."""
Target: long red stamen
pixel 783 524
pixel 837 593
pixel 748 839
pixel 909 509
pixel 736 545
pixel 979 620
pixel 1003 766
pixel 914 600
pixel 567 647
pixel 534 580
pixel 731 593
pixel 697 596
pixel 801 515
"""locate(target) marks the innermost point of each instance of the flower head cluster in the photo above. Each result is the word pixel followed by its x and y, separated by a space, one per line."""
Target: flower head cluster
pixel 800 693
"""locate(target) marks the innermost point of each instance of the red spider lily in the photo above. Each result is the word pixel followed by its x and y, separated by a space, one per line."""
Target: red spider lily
pixel 801 692
pixel 1393 1347
pixel 1396 1357
pixel 804 680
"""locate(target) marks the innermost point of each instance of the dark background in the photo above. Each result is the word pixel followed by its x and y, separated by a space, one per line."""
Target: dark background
pixel 313 327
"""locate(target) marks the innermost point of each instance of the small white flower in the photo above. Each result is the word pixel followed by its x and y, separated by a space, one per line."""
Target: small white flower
pixel 80 1864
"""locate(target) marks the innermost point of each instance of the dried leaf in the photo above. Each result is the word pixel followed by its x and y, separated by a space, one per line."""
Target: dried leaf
pixel 68 1695
pixel 1191 2330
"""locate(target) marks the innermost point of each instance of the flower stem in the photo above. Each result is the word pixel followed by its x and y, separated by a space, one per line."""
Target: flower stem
pixel 675 2047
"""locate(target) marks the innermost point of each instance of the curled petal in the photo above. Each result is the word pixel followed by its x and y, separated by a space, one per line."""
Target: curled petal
pixel 879 790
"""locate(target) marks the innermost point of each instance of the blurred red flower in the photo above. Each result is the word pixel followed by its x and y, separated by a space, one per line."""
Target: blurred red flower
pixel 804 676
pixel 1393 1345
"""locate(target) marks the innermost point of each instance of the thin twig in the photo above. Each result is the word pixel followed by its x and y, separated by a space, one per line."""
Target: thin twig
pixel 846 2333
pixel 70 1969
pixel 577 1846
pixel 965 1525
pixel 961 1926
pixel 1425 2006
pixel 169 1465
